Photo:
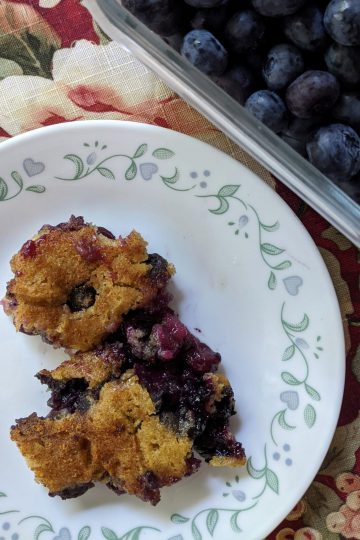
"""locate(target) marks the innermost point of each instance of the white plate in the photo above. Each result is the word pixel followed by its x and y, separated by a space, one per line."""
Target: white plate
pixel 248 275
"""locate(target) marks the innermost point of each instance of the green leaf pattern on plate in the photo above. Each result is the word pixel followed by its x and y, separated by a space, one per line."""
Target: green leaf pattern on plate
pixel 7 194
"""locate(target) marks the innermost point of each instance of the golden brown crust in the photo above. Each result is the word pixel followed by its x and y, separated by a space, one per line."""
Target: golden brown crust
pixel 88 366
pixel 60 259
pixel 219 384
pixel 118 440
pixel 225 461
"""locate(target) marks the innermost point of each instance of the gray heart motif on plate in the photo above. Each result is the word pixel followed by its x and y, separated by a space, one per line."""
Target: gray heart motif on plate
pixel 147 170
pixel 32 168
pixel 293 284
pixel 291 398
pixel 64 534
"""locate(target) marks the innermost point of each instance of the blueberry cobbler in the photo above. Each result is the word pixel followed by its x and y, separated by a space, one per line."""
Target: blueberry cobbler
pixel 140 409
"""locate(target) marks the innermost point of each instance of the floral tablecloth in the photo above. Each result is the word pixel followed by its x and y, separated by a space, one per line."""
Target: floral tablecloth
pixel 57 66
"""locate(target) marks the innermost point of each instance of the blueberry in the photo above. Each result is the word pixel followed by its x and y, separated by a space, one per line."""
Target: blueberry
pixel 335 151
pixel 342 21
pixel 306 29
pixel 296 144
pixel 205 52
pixel 302 127
pixel 352 188
pixel 277 8
pixel 283 64
pixel 347 110
pixel 212 19
pixel 299 131
pixel 174 41
pixel 237 81
pixel 206 3
pixel 161 16
pixel 269 108
pixel 344 62
pixel 245 30
pixel 255 61
pixel 81 297
pixel 314 92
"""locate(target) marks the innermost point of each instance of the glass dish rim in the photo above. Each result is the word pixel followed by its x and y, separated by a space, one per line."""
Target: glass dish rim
pixel 230 117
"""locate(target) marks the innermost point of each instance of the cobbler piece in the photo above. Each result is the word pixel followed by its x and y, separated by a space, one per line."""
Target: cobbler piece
pixel 132 412
pixel 74 282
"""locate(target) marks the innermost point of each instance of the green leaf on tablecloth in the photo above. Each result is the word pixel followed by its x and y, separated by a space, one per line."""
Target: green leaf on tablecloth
pixel 320 502
pixel 355 366
pixel 27 39
pixel 335 236
pixel 103 38
pixel 9 67
pixel 341 454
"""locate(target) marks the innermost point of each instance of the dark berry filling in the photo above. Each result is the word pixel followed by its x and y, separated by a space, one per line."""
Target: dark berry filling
pixel 29 249
pixel 150 487
pixel 81 297
pixel 159 269
pixel 74 224
pixel 70 396
pixel 106 232
pixel 70 493
pixel 175 367
pixel 115 488
pixel 89 250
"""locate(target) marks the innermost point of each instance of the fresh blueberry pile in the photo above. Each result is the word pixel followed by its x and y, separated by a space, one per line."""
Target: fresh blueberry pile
pixel 294 64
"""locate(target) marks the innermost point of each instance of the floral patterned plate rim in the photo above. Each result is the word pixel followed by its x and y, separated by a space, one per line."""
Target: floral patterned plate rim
pixel 248 276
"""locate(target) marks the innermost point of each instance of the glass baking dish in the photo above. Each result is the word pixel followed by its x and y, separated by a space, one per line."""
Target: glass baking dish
pixel 278 157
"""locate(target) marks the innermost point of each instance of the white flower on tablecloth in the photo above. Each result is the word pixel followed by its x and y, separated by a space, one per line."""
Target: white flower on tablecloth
pixel 49 3
pixel 89 82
